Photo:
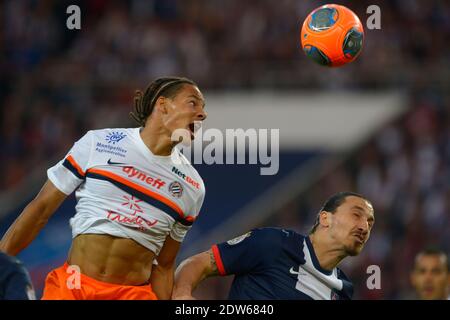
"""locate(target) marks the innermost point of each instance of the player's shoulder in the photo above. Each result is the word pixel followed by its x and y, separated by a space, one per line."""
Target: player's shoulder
pixel 181 160
pixel 7 259
pixel 111 135
pixel 184 164
pixel 106 136
pixel 278 234
pixel 269 242
pixel 341 275
pixel 10 263
pixel 347 285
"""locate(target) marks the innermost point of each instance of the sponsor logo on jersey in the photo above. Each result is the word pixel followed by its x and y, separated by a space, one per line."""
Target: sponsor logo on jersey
pixel 115 150
pixel 238 239
pixel 115 137
pixel 176 189
pixel 137 174
pixel 137 220
pixel 297 273
pixel 132 204
pixel 186 178
pixel 114 163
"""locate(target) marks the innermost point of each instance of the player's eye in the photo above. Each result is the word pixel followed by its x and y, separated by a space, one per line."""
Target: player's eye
pixel 435 271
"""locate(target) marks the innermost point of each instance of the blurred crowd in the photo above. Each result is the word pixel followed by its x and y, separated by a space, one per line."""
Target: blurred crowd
pixel 56 83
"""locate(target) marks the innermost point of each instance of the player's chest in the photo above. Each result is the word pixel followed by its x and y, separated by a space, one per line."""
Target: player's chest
pixel 294 280
pixel 161 182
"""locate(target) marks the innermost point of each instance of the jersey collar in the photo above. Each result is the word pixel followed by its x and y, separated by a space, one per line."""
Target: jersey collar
pixel 314 259
pixel 143 147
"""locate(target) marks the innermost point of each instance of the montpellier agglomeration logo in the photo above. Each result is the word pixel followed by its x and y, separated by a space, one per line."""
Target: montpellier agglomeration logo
pixel 231 146
pixel 114 137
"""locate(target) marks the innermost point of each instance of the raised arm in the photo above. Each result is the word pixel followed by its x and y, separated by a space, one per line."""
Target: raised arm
pixel 191 272
pixel 32 219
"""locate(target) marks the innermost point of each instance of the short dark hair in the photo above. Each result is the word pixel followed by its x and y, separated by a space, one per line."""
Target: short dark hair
pixel 145 102
pixel 332 204
pixel 433 251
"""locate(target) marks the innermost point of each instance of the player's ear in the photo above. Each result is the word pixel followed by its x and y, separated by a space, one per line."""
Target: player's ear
pixel 324 219
pixel 161 105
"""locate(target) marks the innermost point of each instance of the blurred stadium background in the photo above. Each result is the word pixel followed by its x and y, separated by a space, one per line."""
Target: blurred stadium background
pixel 379 126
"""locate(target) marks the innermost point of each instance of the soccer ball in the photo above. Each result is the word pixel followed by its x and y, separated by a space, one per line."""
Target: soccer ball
pixel 332 35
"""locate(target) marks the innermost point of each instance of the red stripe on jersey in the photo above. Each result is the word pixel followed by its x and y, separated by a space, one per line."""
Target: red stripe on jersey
pixel 218 259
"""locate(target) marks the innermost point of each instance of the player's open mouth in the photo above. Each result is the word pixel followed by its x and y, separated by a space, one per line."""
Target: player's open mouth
pixel 191 128
pixel 428 290
pixel 194 126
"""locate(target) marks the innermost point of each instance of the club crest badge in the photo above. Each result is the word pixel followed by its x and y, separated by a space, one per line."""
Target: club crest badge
pixel 176 189
pixel 238 239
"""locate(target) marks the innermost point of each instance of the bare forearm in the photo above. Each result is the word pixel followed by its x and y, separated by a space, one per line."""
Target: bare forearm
pixel 162 281
pixel 188 275
pixel 32 219
pixel 191 272
pixel 25 228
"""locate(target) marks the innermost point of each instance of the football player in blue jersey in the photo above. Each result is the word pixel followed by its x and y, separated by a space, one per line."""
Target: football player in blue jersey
pixel 271 263
pixel 15 282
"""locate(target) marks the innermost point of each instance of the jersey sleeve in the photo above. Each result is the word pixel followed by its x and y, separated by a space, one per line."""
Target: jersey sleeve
pixel 70 172
pixel 249 252
pixel 15 282
pixel 180 230
pixel 19 287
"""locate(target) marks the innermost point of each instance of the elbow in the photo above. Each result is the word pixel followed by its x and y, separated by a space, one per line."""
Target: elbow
pixel 196 265
pixel 166 270
pixel 165 265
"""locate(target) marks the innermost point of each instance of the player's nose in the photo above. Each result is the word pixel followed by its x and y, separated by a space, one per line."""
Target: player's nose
pixel 201 115
pixel 364 231
pixel 364 228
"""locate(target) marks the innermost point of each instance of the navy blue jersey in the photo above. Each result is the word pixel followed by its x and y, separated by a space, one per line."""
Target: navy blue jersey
pixel 15 283
pixel 271 263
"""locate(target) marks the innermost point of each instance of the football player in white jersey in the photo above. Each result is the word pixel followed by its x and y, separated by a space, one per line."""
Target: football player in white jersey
pixel 137 196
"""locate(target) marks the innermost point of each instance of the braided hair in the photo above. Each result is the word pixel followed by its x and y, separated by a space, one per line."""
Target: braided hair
pixel 145 102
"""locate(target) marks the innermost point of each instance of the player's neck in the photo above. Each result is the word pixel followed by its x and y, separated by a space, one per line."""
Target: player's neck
pixel 157 140
pixel 327 253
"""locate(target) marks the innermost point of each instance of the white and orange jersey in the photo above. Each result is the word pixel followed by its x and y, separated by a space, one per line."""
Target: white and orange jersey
pixel 124 190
